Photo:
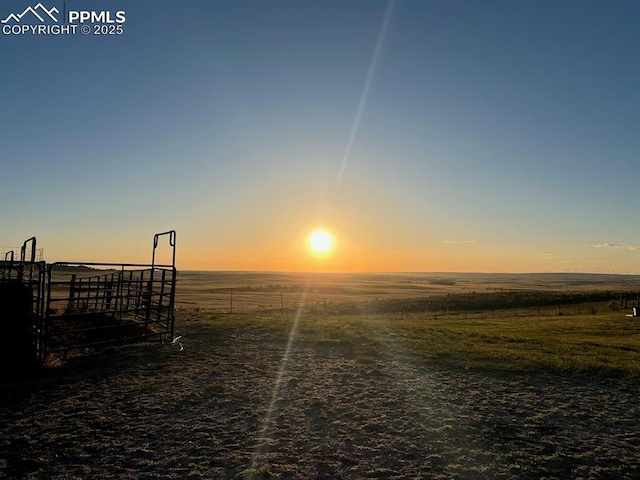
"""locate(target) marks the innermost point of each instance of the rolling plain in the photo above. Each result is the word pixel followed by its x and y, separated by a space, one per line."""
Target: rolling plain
pixel 349 376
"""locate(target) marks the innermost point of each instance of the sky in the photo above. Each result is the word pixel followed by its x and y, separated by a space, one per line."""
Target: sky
pixel 449 136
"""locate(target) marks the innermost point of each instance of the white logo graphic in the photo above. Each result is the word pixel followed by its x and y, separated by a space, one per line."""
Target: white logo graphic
pixel 34 10
pixel 40 20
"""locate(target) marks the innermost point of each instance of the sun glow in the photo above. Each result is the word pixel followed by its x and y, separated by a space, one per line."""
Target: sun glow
pixel 320 242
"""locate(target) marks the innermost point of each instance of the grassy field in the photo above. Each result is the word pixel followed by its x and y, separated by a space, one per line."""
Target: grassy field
pixel 604 343
pixel 254 291
pixel 351 377
pixel 485 321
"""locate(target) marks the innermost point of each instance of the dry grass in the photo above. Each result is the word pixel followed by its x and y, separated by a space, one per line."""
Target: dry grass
pixel 264 291
pixel 506 395
pixel 606 343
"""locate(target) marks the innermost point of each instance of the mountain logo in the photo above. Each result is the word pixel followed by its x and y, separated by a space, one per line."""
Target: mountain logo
pixel 39 11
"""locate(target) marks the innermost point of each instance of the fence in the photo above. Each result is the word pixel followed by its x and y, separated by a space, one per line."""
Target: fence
pixel 75 306
pixel 392 302
pixel 7 251
pixel 21 305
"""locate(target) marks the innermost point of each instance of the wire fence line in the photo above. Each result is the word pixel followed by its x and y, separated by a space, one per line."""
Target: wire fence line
pixel 473 305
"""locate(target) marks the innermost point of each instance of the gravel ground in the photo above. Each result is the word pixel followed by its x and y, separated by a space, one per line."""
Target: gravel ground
pixel 246 403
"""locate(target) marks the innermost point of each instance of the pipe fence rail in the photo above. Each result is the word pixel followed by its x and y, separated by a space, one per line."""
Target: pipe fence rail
pixel 63 306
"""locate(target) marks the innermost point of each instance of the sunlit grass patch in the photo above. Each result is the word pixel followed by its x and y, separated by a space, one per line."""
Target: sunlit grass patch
pixel 603 343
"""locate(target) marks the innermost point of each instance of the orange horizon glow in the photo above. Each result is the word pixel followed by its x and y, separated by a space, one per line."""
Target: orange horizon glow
pixel 357 247
pixel 351 257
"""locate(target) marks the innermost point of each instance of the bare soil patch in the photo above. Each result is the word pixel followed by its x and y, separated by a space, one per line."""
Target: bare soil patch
pixel 253 402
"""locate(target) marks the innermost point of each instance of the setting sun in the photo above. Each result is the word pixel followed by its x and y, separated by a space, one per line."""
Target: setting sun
pixel 320 241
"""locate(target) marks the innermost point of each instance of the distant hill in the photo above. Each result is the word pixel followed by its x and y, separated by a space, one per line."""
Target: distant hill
pixel 62 268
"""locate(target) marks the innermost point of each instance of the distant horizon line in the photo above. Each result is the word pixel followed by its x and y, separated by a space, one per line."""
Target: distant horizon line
pixel 412 272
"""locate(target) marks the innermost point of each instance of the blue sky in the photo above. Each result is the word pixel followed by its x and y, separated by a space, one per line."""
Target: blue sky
pixel 492 136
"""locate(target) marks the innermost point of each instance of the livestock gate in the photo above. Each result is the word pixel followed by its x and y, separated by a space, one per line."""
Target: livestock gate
pixel 21 307
pixel 79 306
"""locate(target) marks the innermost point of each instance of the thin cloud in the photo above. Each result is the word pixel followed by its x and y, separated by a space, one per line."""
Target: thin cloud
pixel 463 242
pixel 616 245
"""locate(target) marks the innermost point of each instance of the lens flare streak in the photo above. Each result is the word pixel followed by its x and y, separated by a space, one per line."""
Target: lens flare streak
pixel 365 93
pixel 278 383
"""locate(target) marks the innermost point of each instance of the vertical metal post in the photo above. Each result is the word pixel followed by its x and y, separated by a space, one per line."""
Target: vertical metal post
pixel 97 292
pixel 138 294
pixel 80 289
pixel 147 296
pixel 72 291
pixel 108 294
pixel 161 300
pixel 129 284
